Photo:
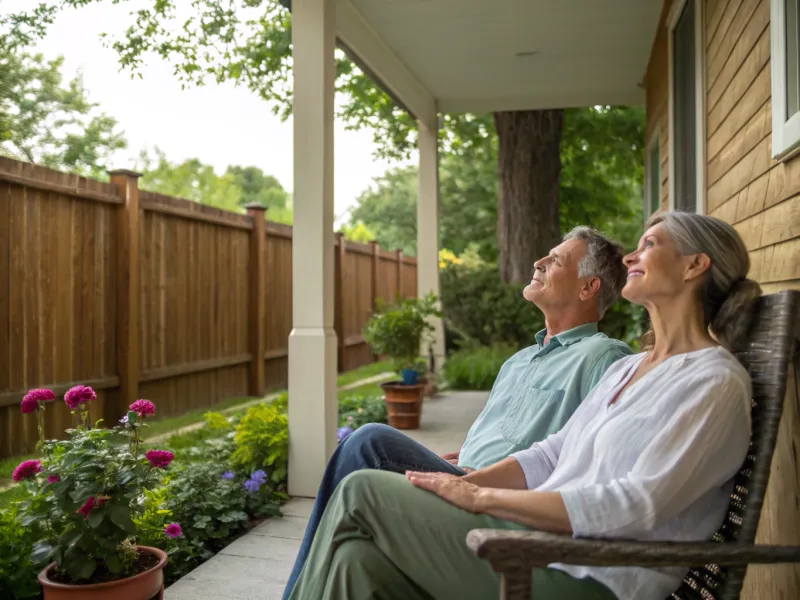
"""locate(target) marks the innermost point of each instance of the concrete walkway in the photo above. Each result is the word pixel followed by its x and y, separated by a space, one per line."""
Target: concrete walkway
pixel 257 565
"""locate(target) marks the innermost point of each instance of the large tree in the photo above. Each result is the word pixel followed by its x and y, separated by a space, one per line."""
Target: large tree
pixel 249 41
pixel 45 120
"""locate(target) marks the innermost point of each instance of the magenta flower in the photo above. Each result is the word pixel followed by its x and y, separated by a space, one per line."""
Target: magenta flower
pixel 143 408
pixel 91 503
pixel 26 469
pixel 80 394
pixel 173 530
pixel 53 478
pixel 159 459
pixel 30 402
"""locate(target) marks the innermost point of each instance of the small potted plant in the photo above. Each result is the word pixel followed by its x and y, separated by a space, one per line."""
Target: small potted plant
pixel 84 495
pixel 399 333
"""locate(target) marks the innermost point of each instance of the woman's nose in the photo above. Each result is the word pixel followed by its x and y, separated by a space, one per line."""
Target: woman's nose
pixel 631 258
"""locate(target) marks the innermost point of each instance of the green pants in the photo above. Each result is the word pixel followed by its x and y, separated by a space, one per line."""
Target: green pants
pixel 382 538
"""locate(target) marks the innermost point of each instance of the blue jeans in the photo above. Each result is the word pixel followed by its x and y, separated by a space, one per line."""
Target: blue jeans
pixel 371 446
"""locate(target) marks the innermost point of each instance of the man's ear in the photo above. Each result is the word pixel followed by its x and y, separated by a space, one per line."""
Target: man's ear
pixel 699 264
pixel 590 289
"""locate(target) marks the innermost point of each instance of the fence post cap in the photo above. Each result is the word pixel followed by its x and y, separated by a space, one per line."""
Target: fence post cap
pixel 125 172
pixel 255 206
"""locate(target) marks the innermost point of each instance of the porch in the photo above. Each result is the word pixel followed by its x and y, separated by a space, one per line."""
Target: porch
pixel 257 565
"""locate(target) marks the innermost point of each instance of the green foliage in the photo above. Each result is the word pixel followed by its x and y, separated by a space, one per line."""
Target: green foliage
pixel 625 321
pixel 282 402
pixel 357 410
pixel 17 572
pixel 91 465
pixel 359 233
pixel 476 367
pixel 50 122
pixel 262 441
pixel 479 308
pixel 400 331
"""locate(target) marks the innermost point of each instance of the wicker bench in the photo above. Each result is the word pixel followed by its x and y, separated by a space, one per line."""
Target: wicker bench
pixel 771 346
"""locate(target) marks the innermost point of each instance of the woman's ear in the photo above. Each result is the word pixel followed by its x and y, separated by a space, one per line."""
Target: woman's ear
pixel 696 267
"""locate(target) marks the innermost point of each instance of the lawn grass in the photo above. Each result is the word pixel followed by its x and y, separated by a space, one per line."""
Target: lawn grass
pixel 167 424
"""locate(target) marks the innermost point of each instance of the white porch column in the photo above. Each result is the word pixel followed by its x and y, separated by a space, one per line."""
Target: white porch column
pixel 312 342
pixel 428 228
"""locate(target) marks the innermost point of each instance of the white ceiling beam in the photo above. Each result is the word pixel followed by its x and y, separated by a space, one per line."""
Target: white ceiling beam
pixel 371 52
pixel 542 100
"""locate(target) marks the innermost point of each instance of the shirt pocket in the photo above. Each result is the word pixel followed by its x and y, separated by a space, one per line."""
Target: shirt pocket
pixel 530 417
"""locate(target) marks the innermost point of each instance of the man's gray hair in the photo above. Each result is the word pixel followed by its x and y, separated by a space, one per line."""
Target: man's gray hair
pixel 602 259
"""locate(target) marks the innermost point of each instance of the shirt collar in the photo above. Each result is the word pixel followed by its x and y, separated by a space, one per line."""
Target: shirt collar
pixel 570 336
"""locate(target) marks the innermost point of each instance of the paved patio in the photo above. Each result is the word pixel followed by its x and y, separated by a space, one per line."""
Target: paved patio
pixel 257 565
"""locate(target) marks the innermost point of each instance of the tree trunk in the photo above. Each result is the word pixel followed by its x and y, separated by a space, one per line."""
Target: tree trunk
pixel 529 164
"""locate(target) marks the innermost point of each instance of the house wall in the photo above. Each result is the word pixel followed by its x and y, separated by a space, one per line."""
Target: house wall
pixel 761 198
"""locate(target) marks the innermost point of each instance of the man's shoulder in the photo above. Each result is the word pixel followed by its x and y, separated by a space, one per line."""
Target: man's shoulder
pixel 599 344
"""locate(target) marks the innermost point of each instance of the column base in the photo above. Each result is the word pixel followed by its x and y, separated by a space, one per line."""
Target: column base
pixel 313 407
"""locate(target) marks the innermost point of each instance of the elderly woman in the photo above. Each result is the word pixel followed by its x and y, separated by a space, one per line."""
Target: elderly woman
pixel 649 455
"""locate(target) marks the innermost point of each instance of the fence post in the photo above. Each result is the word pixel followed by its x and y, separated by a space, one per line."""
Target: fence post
pixel 399 258
pixel 376 258
pixel 257 310
pixel 127 287
pixel 338 302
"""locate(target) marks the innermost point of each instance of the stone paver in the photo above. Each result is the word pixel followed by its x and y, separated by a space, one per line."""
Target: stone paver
pixel 257 565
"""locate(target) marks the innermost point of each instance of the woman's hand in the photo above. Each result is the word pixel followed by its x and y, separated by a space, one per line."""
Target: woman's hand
pixel 452 488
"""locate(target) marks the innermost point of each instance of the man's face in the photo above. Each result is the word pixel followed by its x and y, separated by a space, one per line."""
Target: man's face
pixel 555 277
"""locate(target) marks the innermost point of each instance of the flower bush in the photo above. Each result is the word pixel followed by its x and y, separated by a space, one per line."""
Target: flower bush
pixel 262 440
pixel 357 410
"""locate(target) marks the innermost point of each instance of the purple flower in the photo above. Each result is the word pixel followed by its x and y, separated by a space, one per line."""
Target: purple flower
pixel 159 458
pixel 343 432
pixel 259 476
pixel 31 400
pixel 173 530
pixel 78 395
pixel 143 408
pixel 26 469
pixel 228 475
pixel 124 420
pixel 53 478
pixel 252 485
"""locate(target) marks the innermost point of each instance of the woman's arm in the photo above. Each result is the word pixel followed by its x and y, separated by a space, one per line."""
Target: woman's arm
pixel 507 474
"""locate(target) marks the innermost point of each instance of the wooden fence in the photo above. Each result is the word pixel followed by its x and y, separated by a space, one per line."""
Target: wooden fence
pixel 145 296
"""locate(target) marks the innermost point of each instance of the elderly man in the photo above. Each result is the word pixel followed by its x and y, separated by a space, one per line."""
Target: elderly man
pixel 537 389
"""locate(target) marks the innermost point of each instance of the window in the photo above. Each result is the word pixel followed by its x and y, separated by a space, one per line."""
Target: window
pixel 785 60
pixel 652 176
pixel 686 107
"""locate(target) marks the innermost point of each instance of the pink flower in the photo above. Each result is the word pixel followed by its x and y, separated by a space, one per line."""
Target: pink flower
pixel 53 478
pixel 159 458
pixel 80 394
pixel 91 503
pixel 30 402
pixel 173 530
pixel 26 469
pixel 143 407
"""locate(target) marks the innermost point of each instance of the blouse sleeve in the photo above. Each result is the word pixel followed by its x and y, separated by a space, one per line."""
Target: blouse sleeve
pixel 699 448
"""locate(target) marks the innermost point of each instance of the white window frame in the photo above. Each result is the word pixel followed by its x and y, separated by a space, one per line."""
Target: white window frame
pixel 785 131
pixel 700 96
pixel 649 168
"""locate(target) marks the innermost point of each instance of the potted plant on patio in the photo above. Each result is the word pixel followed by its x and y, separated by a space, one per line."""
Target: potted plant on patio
pixel 399 333
pixel 83 497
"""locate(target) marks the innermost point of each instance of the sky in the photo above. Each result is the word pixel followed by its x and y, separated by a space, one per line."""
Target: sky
pixel 219 124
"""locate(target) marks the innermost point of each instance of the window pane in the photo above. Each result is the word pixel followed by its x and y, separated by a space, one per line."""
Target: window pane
pixel 792 58
pixel 655 178
pixel 684 103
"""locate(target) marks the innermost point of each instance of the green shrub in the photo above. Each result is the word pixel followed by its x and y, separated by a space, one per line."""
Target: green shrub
pixel 262 441
pixel 358 410
pixel 476 367
pixel 17 573
pixel 479 308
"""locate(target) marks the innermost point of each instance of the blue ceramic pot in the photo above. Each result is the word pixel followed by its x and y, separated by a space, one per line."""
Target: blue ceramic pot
pixel 410 376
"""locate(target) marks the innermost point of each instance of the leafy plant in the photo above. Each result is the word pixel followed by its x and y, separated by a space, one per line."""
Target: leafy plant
pixel 400 331
pixel 262 441
pixel 17 572
pixel 357 410
pixel 476 367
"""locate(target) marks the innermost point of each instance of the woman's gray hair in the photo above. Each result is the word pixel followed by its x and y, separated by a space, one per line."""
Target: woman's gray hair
pixel 602 259
pixel 727 295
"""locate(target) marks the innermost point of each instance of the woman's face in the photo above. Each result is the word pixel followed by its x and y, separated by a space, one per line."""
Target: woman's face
pixel 656 269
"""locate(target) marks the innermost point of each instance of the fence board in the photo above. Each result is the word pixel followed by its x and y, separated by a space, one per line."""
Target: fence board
pixel 60 247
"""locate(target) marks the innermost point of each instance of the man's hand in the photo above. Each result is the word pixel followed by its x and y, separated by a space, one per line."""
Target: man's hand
pixel 451 488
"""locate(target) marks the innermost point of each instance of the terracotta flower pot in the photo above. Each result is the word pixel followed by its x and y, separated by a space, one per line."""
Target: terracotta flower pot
pixel 403 403
pixel 143 586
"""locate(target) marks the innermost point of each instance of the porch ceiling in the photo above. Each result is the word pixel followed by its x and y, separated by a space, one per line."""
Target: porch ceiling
pixel 477 55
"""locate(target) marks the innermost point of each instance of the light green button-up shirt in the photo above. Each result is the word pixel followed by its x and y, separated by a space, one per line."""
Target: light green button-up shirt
pixel 536 392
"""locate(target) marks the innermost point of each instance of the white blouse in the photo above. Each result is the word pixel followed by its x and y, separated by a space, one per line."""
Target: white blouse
pixel 657 464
